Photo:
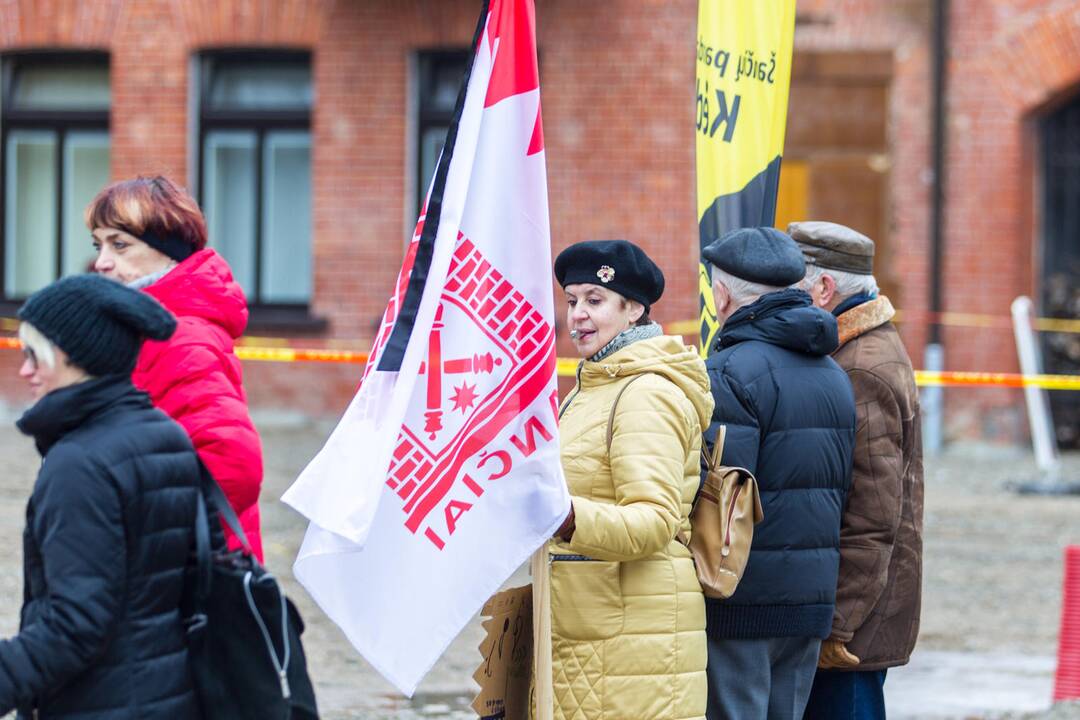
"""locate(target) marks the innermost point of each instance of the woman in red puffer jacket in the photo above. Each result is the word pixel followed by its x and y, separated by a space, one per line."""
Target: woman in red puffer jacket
pixel 150 235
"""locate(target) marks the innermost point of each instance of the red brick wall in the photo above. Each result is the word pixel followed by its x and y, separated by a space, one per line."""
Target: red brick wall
pixel 1008 61
pixel 617 84
pixel 901 28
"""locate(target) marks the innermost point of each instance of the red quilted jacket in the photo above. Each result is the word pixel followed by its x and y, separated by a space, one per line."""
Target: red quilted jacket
pixel 195 378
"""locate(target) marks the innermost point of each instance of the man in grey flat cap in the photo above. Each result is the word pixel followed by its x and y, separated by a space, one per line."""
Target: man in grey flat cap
pixel 878 594
pixel 789 415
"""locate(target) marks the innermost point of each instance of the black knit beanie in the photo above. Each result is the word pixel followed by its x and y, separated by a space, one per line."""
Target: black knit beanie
pixel 98 322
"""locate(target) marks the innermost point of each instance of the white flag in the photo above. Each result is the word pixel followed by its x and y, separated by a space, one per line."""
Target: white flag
pixel 443 476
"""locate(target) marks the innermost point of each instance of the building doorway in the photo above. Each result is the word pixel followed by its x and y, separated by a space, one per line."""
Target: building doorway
pixel 1059 295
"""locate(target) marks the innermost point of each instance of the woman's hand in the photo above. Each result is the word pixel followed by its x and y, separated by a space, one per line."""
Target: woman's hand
pixel 566 530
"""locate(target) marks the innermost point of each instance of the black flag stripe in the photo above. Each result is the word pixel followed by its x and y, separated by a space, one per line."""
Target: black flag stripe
pixel 394 351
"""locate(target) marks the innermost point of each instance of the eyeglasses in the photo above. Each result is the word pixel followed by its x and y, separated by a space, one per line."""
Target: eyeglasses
pixel 29 354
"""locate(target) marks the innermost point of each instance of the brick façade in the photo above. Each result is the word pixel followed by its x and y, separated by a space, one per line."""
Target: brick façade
pixel 617 80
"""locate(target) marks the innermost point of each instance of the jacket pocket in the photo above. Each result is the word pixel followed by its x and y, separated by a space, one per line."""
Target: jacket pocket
pixel 586 598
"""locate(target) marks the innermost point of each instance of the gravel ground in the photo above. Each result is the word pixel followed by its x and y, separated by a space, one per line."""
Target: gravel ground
pixel 992 595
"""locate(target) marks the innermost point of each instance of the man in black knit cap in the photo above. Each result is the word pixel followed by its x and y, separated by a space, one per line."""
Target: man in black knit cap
pixel 110 520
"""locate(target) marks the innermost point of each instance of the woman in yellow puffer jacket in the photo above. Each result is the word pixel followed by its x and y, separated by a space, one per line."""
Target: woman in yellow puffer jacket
pixel 627 613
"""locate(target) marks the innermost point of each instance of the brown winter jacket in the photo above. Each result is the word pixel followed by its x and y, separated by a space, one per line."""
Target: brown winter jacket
pixel 880 587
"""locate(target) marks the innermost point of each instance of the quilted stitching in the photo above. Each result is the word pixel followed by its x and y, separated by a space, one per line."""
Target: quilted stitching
pixel 578 667
pixel 655 668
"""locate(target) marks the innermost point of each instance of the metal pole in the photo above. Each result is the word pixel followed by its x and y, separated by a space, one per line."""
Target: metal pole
pixel 932 402
pixel 933 399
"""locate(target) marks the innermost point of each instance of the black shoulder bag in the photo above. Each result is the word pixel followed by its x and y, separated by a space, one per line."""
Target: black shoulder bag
pixel 243 634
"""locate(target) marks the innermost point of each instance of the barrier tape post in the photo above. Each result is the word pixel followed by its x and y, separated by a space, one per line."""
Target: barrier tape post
pixel 1043 438
pixel 1042 427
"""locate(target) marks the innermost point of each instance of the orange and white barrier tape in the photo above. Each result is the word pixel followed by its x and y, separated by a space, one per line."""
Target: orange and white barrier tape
pixel 287 354
pixel 928 378
pixel 950 319
pixel 691 328
pixel 567 367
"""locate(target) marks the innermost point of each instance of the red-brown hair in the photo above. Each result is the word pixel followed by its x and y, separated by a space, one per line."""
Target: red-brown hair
pixel 144 205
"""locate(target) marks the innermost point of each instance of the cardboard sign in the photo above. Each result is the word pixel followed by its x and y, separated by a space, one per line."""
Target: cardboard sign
pixel 506 669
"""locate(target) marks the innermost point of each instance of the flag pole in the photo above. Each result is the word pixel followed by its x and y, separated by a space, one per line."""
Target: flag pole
pixel 543 692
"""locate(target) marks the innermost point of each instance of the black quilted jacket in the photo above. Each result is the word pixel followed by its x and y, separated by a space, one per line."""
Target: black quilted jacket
pixel 108 532
pixel 790 416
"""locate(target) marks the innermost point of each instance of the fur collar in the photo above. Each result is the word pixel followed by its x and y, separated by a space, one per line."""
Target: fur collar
pixel 864 317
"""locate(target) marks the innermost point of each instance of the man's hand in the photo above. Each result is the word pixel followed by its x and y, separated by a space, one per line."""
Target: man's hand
pixel 835 656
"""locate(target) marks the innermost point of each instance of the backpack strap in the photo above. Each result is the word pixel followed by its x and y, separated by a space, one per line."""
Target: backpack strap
pixel 611 418
pixel 711 464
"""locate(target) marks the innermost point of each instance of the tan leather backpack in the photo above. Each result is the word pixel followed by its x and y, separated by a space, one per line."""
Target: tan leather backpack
pixel 726 508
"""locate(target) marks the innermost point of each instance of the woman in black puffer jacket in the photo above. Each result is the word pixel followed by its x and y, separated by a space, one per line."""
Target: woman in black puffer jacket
pixel 110 522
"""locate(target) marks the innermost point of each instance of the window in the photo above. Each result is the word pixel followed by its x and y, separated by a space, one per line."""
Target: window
pixel 255 170
pixel 54 145
pixel 440 73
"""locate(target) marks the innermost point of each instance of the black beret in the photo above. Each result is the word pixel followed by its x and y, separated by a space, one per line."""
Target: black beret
pixel 615 264
pixel 762 255
pixel 99 323
pixel 834 247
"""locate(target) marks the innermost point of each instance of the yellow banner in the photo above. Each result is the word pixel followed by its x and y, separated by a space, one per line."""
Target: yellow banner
pixel 743 76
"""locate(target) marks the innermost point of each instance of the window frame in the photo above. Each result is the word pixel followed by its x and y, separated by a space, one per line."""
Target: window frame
pixel 427 59
pixel 289 317
pixel 60 122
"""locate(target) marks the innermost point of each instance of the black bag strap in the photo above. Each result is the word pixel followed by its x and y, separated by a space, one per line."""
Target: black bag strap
pixel 202 549
pixel 210 490
pixel 213 491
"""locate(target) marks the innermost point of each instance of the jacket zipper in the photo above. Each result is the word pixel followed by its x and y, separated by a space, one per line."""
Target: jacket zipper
pixel 560 557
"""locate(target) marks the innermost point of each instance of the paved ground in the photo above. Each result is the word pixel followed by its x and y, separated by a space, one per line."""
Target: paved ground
pixel 991 598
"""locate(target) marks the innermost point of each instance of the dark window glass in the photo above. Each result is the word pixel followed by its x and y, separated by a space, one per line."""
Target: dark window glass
pixel 54 123
pixel 440 73
pixel 255 158
pixel 260 85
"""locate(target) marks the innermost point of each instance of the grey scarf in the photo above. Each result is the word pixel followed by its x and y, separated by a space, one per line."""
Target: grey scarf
pixel 147 280
pixel 628 337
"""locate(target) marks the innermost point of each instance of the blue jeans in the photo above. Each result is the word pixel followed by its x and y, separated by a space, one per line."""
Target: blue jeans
pixel 839 695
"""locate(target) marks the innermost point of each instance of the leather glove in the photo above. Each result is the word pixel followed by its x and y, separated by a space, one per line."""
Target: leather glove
pixel 835 656
pixel 566 530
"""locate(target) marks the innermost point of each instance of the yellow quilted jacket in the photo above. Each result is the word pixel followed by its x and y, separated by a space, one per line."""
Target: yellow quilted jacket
pixel 627 613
